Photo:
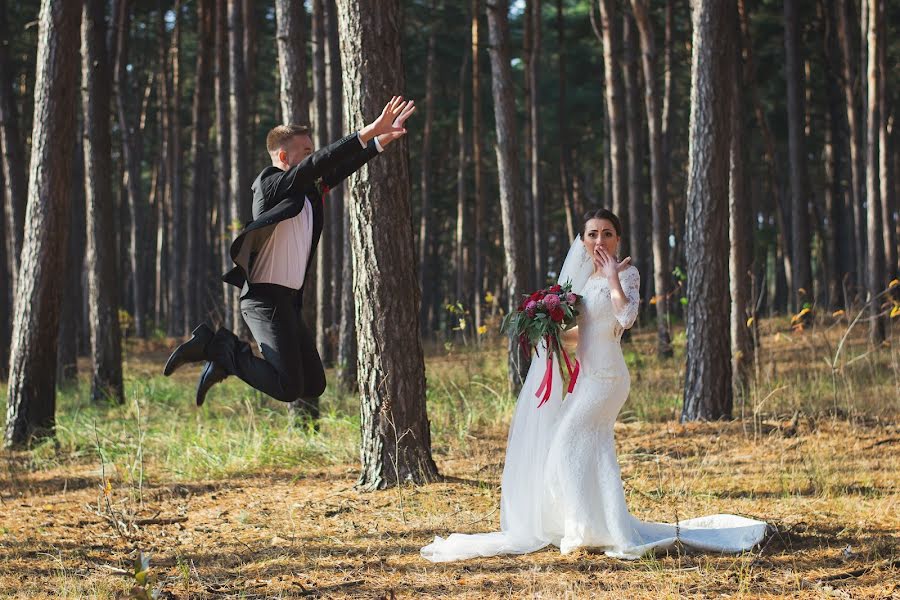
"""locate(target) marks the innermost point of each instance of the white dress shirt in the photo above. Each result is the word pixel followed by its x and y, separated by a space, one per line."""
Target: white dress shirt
pixel 283 256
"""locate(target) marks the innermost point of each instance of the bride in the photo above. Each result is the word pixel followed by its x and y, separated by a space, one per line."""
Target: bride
pixel 561 483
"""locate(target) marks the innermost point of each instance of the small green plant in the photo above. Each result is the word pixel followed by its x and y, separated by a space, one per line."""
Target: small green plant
pixel 143 580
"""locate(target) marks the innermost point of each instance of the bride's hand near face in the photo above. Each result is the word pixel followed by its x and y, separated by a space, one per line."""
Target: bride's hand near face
pixel 610 268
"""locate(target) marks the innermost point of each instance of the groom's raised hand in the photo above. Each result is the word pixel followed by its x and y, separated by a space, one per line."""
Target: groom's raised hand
pixel 389 124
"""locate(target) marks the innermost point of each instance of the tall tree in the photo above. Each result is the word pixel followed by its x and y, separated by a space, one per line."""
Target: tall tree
pixel 508 170
pixel 565 152
pixel 396 441
pixel 707 389
pixel 336 196
pixel 615 104
pixel 478 172
pixel 31 399
pixel 5 295
pixel 13 161
pixel 321 136
pixel 460 251
pixel 425 168
pixel 855 132
pixel 132 162
pixel 782 215
pixel 885 172
pixel 875 255
pixel 740 228
pixel 800 237
pixel 237 106
pixel 103 296
pixel 196 243
pixel 71 314
pixel 539 227
pixel 291 38
pixel 223 152
pixel 177 274
pixel 635 153
pixel 658 207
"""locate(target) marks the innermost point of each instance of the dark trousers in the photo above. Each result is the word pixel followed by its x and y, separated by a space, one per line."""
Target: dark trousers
pixel 291 367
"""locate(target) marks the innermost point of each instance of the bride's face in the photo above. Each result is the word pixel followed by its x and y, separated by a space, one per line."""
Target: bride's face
pixel 603 232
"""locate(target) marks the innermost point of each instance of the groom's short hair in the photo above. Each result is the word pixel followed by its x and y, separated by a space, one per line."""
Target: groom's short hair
pixel 282 133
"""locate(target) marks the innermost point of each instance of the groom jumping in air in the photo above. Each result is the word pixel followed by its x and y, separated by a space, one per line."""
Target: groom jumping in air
pixel 272 256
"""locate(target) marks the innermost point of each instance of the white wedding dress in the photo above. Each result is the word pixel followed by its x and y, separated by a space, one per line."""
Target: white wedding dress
pixel 561 483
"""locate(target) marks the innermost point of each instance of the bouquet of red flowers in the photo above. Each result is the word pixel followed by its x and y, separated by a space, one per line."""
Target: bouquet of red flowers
pixel 544 315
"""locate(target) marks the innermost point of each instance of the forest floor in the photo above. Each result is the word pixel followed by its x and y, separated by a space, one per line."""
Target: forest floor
pixel 237 500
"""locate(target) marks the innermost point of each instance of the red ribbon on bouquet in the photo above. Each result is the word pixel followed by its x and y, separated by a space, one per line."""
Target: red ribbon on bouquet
pixel 544 390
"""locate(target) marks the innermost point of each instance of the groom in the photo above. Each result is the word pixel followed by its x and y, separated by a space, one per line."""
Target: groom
pixel 272 256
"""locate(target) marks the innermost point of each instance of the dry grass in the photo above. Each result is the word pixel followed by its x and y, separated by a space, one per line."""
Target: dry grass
pixel 247 505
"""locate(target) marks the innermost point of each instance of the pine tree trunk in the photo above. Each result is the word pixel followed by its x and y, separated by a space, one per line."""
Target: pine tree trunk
pixel 5 294
pixel 615 102
pixel 335 196
pixel 477 170
pixel 658 208
pixel 885 174
pixel 177 275
pixel 707 391
pixel 396 442
pixel 106 344
pixel 250 53
pixel 31 398
pixel 740 225
pixel 539 239
pixel 239 157
pixel 837 233
pixel 223 151
pixel 565 153
pixel 323 308
pixel 72 301
pixel 856 154
pixel 769 153
pixel 198 211
pixel 347 351
pixel 132 162
pixel 13 161
pixel 875 256
pixel 425 232
pixel 800 236
pixel 291 38
pixel 509 173
pixel 631 80
pixel 462 268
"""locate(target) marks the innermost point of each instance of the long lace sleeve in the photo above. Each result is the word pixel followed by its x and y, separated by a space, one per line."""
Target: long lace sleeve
pixel 631 285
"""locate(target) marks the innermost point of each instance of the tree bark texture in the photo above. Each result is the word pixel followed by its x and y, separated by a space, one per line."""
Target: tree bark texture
pixel 800 236
pixel 197 303
pixel 658 207
pixel 239 194
pixel 102 271
pixel 31 399
pixel 396 441
pixel 875 256
pixel 291 38
pixel 614 96
pixel 132 159
pixel 708 390
pixel 13 161
pixel 509 173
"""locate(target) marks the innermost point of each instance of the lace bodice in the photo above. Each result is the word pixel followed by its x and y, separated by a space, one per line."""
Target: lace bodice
pixel 600 326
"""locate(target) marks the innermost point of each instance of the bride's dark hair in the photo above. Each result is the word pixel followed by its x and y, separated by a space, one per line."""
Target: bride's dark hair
pixel 601 213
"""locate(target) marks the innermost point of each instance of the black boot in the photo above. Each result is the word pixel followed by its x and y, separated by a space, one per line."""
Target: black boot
pixel 211 375
pixel 193 350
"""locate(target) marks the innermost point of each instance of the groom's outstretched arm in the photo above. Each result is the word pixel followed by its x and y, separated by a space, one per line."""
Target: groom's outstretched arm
pixel 373 149
pixel 296 179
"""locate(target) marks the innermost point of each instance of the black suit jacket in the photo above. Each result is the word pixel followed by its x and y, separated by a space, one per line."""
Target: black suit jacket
pixel 280 195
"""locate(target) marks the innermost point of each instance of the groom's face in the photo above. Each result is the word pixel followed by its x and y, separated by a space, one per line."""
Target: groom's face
pixel 298 148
